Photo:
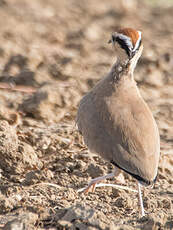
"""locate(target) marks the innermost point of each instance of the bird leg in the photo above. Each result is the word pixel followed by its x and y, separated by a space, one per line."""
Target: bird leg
pixel 140 199
pixel 97 180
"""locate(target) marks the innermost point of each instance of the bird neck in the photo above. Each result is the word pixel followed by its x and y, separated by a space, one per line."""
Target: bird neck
pixel 121 69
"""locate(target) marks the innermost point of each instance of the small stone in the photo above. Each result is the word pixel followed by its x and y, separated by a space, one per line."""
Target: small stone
pixel 14 225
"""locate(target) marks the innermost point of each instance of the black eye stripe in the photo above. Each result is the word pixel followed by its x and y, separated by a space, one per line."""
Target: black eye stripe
pixel 134 51
pixel 138 45
pixel 122 44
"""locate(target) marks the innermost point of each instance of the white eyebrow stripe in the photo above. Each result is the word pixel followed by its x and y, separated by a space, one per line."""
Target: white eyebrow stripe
pixel 126 39
pixel 138 41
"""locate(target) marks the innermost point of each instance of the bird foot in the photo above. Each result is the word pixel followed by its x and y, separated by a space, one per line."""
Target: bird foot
pixel 92 184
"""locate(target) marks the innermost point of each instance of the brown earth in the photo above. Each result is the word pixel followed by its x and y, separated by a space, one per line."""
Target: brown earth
pixel 51 54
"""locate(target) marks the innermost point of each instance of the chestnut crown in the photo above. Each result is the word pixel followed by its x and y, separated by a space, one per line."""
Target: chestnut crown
pixel 128 39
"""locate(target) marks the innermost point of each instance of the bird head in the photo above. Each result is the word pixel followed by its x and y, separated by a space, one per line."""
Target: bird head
pixel 128 45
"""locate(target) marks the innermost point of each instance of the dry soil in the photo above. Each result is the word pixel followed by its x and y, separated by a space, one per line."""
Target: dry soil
pixel 51 54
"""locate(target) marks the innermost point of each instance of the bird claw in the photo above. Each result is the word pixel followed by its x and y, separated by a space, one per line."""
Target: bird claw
pixel 91 185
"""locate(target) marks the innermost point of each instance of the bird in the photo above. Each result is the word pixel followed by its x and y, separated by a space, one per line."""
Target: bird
pixel 115 121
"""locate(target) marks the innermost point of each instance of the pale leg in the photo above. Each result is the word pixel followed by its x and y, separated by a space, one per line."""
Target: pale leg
pixel 140 200
pixel 97 180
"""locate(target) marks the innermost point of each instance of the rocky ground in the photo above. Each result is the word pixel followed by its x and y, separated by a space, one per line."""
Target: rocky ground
pixel 51 54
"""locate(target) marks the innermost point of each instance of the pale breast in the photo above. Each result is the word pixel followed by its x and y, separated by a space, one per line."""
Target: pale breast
pixel 120 128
